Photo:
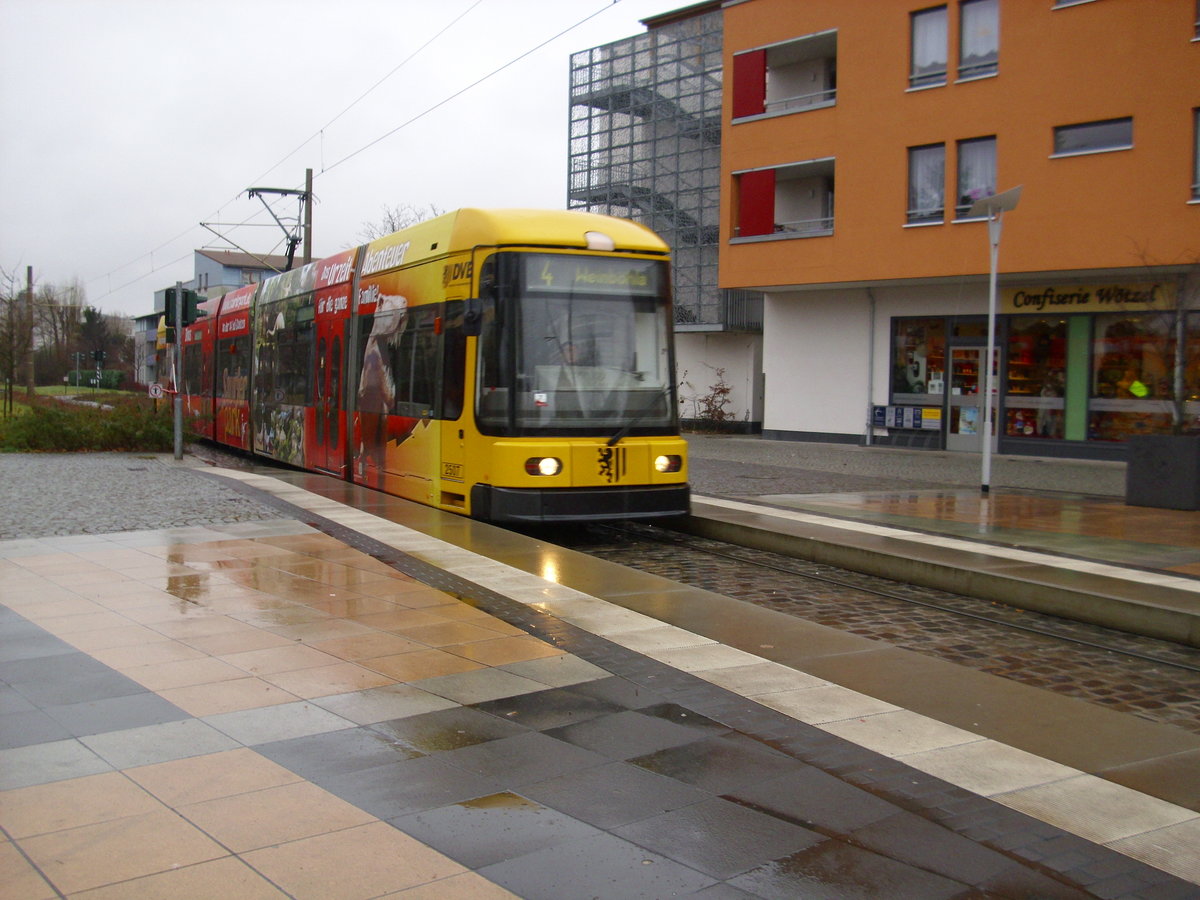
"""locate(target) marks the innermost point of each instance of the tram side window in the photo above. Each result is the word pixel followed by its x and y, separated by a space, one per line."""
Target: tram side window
pixel 295 352
pixel 492 400
pixel 233 381
pixel 454 361
pixel 413 361
pixel 193 367
pixel 284 352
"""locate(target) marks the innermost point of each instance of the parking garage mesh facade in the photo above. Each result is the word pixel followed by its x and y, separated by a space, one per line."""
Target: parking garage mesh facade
pixel 645 144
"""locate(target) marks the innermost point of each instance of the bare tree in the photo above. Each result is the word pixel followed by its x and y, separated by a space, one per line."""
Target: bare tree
pixel 397 218
pixel 59 313
pixel 16 333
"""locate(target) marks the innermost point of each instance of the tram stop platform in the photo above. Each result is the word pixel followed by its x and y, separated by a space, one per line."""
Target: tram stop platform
pixel 248 682
pixel 1050 535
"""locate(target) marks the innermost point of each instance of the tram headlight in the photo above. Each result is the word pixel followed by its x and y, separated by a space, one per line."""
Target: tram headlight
pixel 543 465
pixel 665 464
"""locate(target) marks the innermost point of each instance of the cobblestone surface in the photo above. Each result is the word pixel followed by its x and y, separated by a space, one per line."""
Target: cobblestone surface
pixel 48 494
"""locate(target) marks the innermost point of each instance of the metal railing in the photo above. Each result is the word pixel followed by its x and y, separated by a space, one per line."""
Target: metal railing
pixel 813 100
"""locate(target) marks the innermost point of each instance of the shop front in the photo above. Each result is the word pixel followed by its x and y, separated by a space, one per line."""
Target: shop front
pixel 1079 370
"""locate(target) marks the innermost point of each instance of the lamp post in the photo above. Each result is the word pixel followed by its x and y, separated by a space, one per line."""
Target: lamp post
pixel 993 208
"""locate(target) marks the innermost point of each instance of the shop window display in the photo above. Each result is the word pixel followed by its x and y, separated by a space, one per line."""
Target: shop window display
pixel 1037 366
pixel 1191 370
pixel 919 361
pixel 1133 364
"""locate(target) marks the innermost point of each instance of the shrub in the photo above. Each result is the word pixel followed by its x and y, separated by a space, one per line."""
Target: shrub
pixel 129 424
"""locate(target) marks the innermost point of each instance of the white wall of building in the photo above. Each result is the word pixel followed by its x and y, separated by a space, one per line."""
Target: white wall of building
pixel 699 358
pixel 817 348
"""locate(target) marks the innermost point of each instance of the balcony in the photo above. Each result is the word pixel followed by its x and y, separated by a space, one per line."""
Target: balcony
pixel 790 201
pixel 794 76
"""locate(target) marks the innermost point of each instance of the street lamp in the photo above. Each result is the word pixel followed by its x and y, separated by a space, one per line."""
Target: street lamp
pixel 992 208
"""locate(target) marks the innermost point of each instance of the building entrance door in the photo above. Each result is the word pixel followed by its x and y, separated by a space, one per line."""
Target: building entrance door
pixel 964 419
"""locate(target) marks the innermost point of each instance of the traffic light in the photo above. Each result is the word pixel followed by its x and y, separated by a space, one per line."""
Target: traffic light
pixel 98 356
pixel 191 307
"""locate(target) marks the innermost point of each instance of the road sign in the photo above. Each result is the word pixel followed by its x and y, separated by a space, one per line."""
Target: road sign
pixel 156 390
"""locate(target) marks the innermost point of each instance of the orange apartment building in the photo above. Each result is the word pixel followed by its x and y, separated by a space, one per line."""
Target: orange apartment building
pixel 856 136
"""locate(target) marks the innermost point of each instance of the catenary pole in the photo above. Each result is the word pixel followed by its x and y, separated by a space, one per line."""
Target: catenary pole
pixel 308 215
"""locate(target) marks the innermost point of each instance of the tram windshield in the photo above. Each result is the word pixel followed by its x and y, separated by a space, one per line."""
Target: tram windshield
pixel 576 344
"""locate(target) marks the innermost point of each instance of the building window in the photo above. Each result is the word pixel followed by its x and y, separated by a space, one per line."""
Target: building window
pixel 789 77
pixel 1093 137
pixel 1133 363
pixel 1196 154
pixel 1036 383
pixel 979 38
pixel 786 201
pixel 976 172
pixel 927 183
pixel 929 52
pixel 1191 370
pixel 918 360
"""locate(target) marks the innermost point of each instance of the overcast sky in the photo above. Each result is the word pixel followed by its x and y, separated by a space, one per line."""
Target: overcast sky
pixel 126 123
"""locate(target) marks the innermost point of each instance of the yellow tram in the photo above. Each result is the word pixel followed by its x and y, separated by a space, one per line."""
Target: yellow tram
pixel 510 365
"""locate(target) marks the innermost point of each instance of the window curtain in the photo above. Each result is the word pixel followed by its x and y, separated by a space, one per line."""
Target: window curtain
pixel 929 47
pixel 926 183
pixel 979 49
pixel 976 171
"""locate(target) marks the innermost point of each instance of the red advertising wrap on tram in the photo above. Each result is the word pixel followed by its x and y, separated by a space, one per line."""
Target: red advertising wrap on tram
pixel 231 369
pixel 198 411
pixel 325 429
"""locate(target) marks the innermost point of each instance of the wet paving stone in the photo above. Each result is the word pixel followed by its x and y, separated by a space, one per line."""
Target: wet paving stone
pixel 603 866
pixel 614 794
pixel 543 710
pixel 832 870
pixel 337 752
pixel 449 729
pixel 626 734
pixel 719 838
pixel 487 830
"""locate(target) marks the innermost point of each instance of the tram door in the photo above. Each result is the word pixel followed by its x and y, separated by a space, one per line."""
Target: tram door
pixel 965 398
pixel 330 423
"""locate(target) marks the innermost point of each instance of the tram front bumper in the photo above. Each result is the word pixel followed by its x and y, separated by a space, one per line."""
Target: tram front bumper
pixel 496 504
